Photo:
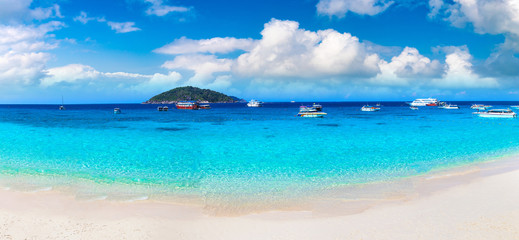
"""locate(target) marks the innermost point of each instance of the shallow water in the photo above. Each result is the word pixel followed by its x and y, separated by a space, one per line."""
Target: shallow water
pixel 233 154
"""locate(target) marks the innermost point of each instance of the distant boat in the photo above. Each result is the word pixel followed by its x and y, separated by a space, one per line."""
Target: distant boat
pixel 515 107
pixel 497 113
pixel 480 107
pixel 310 112
pixel 422 102
pixel 117 110
pixel 367 108
pixel 162 108
pixel 449 106
pixel 62 107
pixel 187 105
pixel 204 106
pixel 254 103
pixel 292 101
pixel 413 108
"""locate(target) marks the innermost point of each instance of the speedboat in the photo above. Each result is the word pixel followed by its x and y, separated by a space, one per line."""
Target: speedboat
pixel 254 103
pixel 367 108
pixel 449 106
pixel 117 110
pixel 497 113
pixel 422 102
pixel 480 107
pixel 305 111
pixel 204 106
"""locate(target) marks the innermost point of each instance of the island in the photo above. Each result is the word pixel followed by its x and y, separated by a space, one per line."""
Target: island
pixel 190 93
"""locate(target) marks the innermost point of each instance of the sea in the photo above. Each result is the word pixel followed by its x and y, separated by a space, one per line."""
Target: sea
pixel 233 156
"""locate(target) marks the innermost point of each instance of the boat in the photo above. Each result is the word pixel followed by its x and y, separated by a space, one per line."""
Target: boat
pixel 254 103
pixel 515 106
pixel 162 108
pixel 367 108
pixel 292 101
pixel 188 105
pixel 317 107
pixel 497 113
pixel 62 107
pixel 305 111
pixel 204 106
pixel 449 106
pixel 422 102
pixel 413 108
pixel 480 107
pixel 117 110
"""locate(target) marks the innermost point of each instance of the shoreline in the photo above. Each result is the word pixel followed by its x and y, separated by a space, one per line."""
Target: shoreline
pixel 473 202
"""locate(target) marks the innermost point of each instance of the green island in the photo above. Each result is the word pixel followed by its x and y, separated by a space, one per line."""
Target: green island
pixel 190 93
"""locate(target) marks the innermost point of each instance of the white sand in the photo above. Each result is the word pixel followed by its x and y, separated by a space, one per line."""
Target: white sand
pixel 485 207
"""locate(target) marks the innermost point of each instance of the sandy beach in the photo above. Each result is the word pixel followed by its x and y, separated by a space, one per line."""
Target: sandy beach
pixel 469 203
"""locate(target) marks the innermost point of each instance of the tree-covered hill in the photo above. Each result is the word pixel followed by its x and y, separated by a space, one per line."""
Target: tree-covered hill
pixel 192 94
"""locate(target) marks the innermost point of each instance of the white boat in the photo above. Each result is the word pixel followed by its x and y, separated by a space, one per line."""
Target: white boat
pixel 413 108
pixel 367 108
pixel 515 107
pixel 480 107
pixel 497 113
pixel 422 102
pixel 449 106
pixel 254 103
pixel 117 110
pixel 305 111
pixel 62 107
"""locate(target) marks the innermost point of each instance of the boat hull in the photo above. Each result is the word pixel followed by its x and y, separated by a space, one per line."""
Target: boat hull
pixel 312 115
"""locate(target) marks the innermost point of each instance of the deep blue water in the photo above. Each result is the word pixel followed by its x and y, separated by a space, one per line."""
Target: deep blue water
pixel 235 153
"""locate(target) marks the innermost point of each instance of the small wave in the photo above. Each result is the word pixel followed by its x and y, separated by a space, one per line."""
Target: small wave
pixel 43 189
pixel 139 198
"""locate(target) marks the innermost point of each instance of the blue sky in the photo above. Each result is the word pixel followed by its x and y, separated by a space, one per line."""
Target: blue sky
pixel 100 51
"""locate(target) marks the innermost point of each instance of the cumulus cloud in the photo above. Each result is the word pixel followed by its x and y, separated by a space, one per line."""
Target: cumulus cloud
pixel 213 45
pixel 340 8
pixel 203 66
pixel 410 65
pixel 459 71
pixel 20 10
pixel 22 52
pixel 158 8
pixel 123 27
pixel 285 50
pixel 79 74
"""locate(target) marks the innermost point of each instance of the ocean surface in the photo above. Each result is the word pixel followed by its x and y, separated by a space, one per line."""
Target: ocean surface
pixel 232 154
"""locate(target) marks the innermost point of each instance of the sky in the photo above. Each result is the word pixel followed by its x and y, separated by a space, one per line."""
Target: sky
pixel 126 51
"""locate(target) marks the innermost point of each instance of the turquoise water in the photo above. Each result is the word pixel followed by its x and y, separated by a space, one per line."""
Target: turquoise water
pixel 232 153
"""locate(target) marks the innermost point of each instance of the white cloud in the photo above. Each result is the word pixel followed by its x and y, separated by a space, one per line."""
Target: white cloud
pixel 340 8
pixel 157 8
pixel 79 74
pixel 22 52
pixel 459 72
pixel 203 66
pixel 213 45
pixel 83 18
pixel 285 50
pixel 123 27
pixel 410 65
pixel 20 10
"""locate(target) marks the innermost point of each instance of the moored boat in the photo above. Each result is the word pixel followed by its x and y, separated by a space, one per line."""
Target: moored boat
pixel 187 105
pixel 367 108
pixel 204 106
pixel 117 110
pixel 254 103
pixel 480 107
pixel 413 108
pixel 497 113
pixel 422 102
pixel 449 106
pixel 305 111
